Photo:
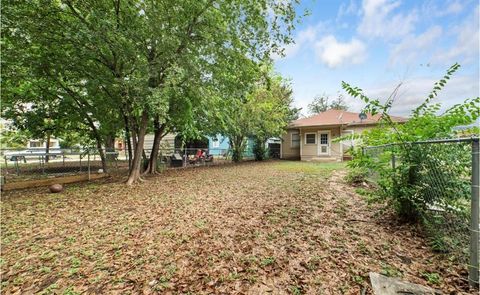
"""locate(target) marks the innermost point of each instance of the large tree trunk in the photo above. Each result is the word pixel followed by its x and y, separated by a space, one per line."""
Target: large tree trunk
pixel 236 142
pixel 101 152
pixel 110 147
pixel 99 142
pixel 144 160
pixel 134 174
pixel 128 141
pixel 158 135
pixel 134 132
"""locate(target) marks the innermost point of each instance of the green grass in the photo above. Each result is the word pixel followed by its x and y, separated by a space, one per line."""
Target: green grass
pixel 309 167
pixel 432 277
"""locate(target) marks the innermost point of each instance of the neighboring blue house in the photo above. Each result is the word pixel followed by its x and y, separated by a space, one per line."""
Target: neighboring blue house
pixel 219 145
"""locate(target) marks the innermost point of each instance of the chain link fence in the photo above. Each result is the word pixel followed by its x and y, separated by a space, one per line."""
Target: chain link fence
pixel 443 177
pixel 20 165
pixel 30 164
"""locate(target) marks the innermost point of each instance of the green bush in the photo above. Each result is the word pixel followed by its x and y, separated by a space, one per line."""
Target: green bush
pixel 357 175
pixel 259 150
pixel 425 175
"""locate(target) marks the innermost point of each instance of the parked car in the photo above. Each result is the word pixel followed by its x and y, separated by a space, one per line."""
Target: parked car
pixel 23 154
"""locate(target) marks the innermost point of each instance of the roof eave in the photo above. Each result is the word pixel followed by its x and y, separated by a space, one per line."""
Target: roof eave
pixel 316 125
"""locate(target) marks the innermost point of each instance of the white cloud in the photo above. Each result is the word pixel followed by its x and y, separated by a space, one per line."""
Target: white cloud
pixel 411 93
pixel 466 46
pixel 431 9
pixel 380 20
pixel 414 91
pixel 411 47
pixel 454 7
pixel 303 39
pixel 347 9
pixel 334 53
pixel 306 36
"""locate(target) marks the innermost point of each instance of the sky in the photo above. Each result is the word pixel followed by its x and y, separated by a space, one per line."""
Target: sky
pixel 377 44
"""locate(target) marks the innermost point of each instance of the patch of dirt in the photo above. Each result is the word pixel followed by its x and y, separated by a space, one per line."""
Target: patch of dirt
pixel 276 227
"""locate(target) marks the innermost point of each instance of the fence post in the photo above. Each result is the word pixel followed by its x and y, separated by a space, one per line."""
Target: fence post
pixel 16 166
pixel 474 265
pixel 88 164
pixel 42 163
pixel 184 158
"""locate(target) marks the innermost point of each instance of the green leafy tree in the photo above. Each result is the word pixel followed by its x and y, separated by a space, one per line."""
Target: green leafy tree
pixel 322 103
pixel 271 112
pixel 33 111
pixel 12 138
pixel 113 63
pixel 319 104
pixel 262 112
pixel 408 187
pixel 51 83
pixel 339 103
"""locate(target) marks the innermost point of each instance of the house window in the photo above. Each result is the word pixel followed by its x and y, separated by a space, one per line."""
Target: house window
pixel 310 138
pixel 35 144
pixel 323 138
pixel 295 139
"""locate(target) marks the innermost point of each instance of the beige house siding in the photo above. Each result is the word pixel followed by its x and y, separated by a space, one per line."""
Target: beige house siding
pixel 287 151
pixel 355 130
pixel 167 144
pixel 309 152
pixel 336 148
pixel 359 129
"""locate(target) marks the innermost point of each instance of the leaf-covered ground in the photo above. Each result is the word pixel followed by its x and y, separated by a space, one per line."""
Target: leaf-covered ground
pixel 254 228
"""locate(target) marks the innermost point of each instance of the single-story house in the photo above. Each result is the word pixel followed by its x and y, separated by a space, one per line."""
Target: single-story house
pixel 219 145
pixel 311 139
pixel 42 144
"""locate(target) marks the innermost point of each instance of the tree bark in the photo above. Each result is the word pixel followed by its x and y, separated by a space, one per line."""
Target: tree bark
pixel 144 160
pixel 110 146
pixel 134 174
pixel 128 140
pixel 101 152
pixel 158 135
pixel 99 142
pixel 236 143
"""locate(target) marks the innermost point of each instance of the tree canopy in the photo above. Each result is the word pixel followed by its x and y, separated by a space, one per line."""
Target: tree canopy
pixel 322 103
pixel 132 67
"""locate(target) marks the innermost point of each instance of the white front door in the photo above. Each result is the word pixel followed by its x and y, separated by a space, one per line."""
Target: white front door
pixel 324 143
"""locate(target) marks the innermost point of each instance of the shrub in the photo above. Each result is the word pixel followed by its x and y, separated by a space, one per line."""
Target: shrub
pixel 425 175
pixel 259 150
pixel 357 176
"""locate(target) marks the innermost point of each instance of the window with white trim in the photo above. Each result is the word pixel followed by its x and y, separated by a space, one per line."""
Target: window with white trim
pixel 295 139
pixel 324 138
pixel 310 138
pixel 35 144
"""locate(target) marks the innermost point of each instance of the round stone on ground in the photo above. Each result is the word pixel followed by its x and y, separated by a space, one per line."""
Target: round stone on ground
pixel 56 188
